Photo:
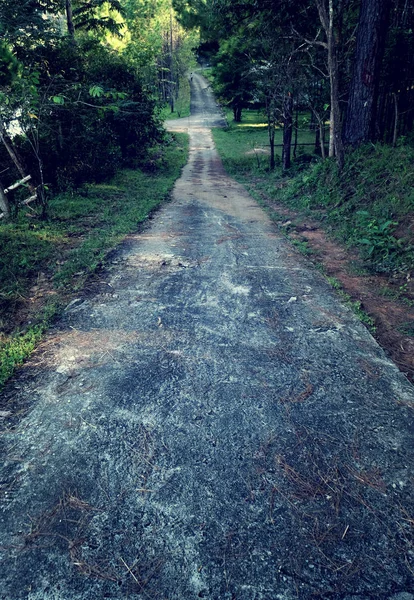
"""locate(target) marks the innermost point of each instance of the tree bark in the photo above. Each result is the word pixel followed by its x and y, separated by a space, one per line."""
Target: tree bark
pixel 17 161
pixel 287 130
pixel 69 19
pixel 396 115
pixel 363 95
pixel 335 108
pixel 171 61
pixel 272 163
pixel 295 143
pixel 326 16
pixel 237 113
pixel 4 203
pixel 322 138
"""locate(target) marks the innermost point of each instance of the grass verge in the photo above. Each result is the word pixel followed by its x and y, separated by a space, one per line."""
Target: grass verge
pixel 368 206
pixel 43 263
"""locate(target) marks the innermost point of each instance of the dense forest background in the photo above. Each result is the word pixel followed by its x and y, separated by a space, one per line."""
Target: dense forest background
pixel 348 62
pixel 82 83
pixel 319 96
pixel 76 75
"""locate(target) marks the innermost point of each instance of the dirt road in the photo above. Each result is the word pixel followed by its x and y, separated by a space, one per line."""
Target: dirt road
pixel 209 423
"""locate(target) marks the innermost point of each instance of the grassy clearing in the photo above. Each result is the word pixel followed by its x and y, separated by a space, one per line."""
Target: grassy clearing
pixel 369 206
pixel 59 254
pixel 245 146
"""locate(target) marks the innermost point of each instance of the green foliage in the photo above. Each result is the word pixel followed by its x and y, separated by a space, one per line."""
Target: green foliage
pixel 378 243
pixel 82 108
pixel 232 76
pixel 303 247
pixel 9 66
pixel 98 16
pixel 81 98
pixel 181 104
pixel 367 205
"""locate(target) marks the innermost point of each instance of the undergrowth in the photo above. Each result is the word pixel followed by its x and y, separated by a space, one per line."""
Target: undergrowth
pixel 43 262
pixel 368 206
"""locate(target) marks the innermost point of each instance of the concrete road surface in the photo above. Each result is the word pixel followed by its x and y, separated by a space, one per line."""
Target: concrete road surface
pixel 210 423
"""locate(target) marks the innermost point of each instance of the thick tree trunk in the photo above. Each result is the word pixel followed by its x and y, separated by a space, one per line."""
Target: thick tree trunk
pixel 287 130
pixel 237 113
pixel 69 19
pixel 370 45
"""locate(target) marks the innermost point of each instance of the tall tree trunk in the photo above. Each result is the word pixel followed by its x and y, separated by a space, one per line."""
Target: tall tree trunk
pixel 171 60
pixel 335 108
pixel 271 125
pixel 272 147
pixel 287 130
pixel 237 113
pixel 326 16
pixel 322 138
pixel 396 114
pixel 69 19
pixel 295 143
pixel 370 45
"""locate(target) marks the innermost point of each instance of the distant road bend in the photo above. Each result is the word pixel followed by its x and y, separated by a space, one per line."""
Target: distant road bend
pixel 210 423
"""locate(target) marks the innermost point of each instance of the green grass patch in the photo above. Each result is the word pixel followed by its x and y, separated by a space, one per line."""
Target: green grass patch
pixel 82 228
pixel 245 148
pixel 208 73
pixel 368 206
pixel 15 348
pixel 181 103
pixel 354 305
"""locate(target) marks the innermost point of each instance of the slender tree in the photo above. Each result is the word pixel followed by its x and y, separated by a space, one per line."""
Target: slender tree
pixel 287 130
pixel 69 19
pixel 327 15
